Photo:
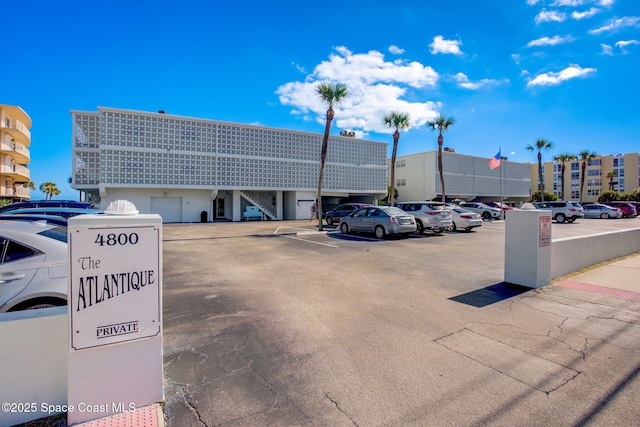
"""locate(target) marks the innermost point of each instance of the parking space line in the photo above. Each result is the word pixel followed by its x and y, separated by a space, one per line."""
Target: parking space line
pixel 308 241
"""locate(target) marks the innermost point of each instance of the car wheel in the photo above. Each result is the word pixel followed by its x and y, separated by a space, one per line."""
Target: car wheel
pixel 604 215
pixel 438 230
pixel 379 231
pixel 560 218
pixel 468 229
pixel 486 215
pixel 39 303
pixel 344 228
pixel 454 227
pixel 419 227
pixel 329 220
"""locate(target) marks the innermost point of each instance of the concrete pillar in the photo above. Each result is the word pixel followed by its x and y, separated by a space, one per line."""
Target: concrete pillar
pixel 527 246
pixel 236 206
pixel 279 205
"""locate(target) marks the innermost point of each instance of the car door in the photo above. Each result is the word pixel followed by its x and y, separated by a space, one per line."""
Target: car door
pixel 357 219
pixel 18 266
pixel 372 218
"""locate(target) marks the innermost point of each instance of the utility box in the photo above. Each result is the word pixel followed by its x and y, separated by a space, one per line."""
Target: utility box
pixel 527 247
pixel 115 313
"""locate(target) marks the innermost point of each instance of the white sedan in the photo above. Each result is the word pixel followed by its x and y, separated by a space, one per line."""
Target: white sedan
pixel 464 219
pixel 486 211
pixel 33 265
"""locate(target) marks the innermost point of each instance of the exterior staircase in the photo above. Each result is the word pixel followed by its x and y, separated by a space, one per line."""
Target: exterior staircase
pixel 261 202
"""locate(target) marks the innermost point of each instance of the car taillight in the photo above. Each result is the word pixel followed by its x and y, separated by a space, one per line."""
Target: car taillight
pixel 466 216
pixel 393 219
pixel 433 213
pixel 572 210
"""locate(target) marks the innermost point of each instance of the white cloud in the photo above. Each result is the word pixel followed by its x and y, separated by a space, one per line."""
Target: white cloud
pixel 440 45
pixel 396 50
pixel 375 87
pixel 607 49
pixel 568 3
pixel 532 2
pixel 550 41
pixel 624 43
pixel 550 16
pixel 464 82
pixel 606 2
pixel 554 79
pixel 586 14
pixel 627 21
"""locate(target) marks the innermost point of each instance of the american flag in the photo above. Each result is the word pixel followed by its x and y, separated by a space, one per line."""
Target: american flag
pixel 495 161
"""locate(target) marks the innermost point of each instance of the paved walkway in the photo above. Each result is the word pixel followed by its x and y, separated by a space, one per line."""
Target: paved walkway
pixel 618 279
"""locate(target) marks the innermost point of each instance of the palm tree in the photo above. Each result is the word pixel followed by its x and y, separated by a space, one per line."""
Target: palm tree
pixel 442 124
pixel 331 94
pixel 541 144
pixel 398 121
pixel 611 175
pixel 49 189
pixel 563 158
pixel 585 157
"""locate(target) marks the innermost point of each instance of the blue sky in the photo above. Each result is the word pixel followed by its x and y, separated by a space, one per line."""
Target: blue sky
pixel 509 72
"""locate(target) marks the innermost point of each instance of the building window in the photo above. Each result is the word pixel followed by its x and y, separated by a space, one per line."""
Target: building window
pixel 594 162
pixel 401 182
pixel 593 192
pixel 575 175
pixel 401 163
pixel 594 182
pixel 594 172
pixel 575 166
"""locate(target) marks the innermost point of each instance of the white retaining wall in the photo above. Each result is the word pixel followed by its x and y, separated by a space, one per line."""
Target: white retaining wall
pixel 572 254
pixel 33 363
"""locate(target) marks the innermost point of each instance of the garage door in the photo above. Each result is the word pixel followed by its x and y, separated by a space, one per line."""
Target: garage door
pixel 169 208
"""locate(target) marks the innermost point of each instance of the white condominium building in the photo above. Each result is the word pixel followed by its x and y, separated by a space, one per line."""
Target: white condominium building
pixel 189 169
pixel 15 139
pixel 465 177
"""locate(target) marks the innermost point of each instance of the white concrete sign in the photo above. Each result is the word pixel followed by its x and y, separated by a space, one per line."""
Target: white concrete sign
pixel 114 290
pixel 115 313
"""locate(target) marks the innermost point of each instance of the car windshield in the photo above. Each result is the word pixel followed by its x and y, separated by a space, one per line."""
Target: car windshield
pixel 55 233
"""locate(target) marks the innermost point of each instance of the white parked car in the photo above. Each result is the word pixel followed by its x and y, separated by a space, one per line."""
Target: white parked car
pixel 486 211
pixel 464 219
pixel 33 265
pixel 429 215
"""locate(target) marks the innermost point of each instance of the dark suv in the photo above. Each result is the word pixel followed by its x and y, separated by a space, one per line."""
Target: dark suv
pixel 46 204
pixel 334 215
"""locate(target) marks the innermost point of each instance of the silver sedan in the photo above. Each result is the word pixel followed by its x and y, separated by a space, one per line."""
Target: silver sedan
pixel 379 220
pixel 597 210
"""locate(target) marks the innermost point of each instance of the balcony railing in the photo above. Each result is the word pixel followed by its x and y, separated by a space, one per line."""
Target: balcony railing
pixel 16 124
pixel 17 191
pixel 16 147
pixel 14 170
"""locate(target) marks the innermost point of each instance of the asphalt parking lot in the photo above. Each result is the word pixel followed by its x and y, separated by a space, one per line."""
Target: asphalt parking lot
pixel 272 323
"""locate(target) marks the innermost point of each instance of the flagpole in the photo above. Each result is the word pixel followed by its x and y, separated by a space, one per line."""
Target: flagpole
pixel 500 151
